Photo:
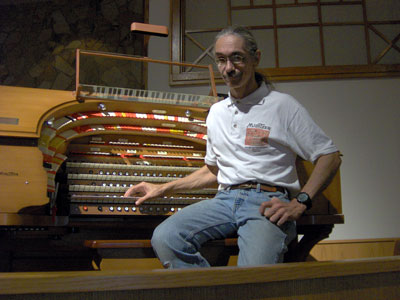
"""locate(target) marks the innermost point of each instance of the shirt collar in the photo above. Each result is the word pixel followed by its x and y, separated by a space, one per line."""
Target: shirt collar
pixel 255 98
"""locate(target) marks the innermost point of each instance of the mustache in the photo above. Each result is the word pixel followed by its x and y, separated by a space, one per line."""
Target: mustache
pixel 232 74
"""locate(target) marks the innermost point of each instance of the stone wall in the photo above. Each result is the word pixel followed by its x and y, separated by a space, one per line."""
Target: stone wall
pixel 38 39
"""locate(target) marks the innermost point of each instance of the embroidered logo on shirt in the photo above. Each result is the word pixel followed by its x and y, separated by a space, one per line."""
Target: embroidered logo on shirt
pixel 257 134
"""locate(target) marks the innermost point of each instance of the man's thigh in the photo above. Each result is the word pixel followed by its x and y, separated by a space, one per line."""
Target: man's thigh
pixel 261 241
pixel 202 221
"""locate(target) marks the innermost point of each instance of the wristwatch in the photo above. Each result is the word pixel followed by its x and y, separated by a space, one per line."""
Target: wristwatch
pixel 305 199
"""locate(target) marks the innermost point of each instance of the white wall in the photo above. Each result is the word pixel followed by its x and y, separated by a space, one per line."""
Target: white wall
pixel 362 117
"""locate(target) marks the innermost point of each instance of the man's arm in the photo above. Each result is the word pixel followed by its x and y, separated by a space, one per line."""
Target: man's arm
pixel 205 176
pixel 279 212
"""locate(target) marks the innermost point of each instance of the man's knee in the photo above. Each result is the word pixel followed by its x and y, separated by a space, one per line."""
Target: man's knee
pixel 159 238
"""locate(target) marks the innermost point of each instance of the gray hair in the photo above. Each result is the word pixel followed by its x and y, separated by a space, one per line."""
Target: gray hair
pixel 250 45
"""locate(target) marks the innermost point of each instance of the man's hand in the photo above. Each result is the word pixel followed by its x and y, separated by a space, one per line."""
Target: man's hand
pixel 144 189
pixel 279 212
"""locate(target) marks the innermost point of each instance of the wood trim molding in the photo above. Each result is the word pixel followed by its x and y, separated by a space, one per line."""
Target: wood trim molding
pixel 96 281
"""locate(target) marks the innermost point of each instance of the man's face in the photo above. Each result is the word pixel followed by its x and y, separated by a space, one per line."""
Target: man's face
pixel 236 66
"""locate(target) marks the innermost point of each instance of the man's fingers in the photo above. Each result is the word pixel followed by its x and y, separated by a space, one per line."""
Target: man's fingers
pixel 142 199
pixel 279 217
pixel 135 190
pixel 128 192
pixel 268 208
pixel 263 207
pixel 275 210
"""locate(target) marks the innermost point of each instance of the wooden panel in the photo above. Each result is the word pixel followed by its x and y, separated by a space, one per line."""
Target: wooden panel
pixel 23 178
pixel 329 201
pixel 352 249
pixel 28 105
pixel 355 279
pixel 130 264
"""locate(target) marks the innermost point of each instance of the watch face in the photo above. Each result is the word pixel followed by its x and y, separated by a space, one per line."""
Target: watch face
pixel 302 197
pixel 305 199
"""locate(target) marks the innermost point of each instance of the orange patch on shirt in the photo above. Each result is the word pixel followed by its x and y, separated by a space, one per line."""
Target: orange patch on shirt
pixel 256 137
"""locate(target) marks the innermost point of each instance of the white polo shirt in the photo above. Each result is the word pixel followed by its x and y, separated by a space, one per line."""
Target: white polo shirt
pixel 257 138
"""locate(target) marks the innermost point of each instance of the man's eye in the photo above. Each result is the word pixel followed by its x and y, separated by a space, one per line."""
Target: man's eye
pixel 237 58
pixel 221 60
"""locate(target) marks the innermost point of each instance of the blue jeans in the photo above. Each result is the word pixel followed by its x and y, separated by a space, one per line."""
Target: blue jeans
pixel 178 239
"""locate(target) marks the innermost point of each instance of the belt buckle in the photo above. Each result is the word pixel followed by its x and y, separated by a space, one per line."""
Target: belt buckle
pixel 247 186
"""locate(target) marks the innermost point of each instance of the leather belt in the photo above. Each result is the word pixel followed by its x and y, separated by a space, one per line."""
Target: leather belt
pixel 253 185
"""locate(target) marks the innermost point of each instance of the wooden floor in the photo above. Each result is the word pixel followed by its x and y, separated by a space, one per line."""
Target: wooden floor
pixel 374 278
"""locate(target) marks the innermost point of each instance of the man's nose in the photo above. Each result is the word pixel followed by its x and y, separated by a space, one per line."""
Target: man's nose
pixel 229 66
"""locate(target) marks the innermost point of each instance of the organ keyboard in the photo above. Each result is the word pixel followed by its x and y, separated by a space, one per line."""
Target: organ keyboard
pixel 87 91
pixel 96 187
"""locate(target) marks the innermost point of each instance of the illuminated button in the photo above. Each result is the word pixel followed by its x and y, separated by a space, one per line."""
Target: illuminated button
pixel 133 208
pixel 172 209
pixel 85 208
pixel 179 208
pixel 126 208
pixel 119 208
pixel 111 208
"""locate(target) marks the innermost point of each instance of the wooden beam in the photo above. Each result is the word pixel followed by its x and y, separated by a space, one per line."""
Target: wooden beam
pixel 376 278
pixel 157 30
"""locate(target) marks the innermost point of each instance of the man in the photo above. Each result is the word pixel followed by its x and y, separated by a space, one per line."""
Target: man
pixel 254 136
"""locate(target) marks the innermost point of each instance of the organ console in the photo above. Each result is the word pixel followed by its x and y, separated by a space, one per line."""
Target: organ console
pixel 67 159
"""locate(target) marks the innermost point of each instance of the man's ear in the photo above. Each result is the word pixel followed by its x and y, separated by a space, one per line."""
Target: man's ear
pixel 257 58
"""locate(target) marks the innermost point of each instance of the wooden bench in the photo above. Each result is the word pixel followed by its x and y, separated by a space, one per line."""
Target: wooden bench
pixel 216 252
pixel 314 226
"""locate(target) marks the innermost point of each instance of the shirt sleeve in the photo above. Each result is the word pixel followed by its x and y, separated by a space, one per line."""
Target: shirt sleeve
pixel 306 138
pixel 211 158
